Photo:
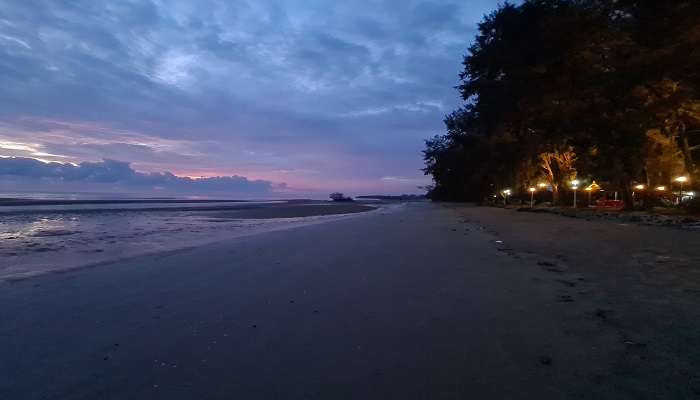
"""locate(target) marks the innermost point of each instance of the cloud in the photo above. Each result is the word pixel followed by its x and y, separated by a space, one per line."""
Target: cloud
pixel 117 176
pixel 195 87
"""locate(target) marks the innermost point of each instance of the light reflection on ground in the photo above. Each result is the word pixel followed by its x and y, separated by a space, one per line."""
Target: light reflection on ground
pixel 32 244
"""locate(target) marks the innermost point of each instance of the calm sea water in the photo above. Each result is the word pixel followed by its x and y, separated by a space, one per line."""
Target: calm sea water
pixel 40 239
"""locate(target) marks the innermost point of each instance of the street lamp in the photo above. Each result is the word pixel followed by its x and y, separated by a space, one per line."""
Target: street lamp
pixel 660 188
pixel 532 196
pixel 637 187
pixel 681 180
pixel 574 185
pixel 506 193
pixel 541 185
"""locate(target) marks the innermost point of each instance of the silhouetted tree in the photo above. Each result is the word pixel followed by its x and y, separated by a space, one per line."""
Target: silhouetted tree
pixel 572 86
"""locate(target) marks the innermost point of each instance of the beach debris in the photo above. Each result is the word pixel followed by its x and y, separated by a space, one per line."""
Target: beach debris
pixel 546 263
pixel 566 298
pixel 566 282
pixel 602 313
pixel 553 269
pixel 546 360
pixel 662 259
pixel 632 343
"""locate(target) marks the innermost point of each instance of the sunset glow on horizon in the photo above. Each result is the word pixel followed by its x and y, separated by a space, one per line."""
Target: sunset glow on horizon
pixel 308 98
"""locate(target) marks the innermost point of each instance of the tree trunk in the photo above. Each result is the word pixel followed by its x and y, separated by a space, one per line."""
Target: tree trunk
pixel 555 194
pixel 626 190
pixel 687 155
pixel 647 188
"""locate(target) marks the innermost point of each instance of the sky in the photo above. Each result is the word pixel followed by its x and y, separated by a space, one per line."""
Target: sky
pixel 244 98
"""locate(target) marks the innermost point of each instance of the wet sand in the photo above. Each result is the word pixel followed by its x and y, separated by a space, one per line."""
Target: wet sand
pixel 429 302
pixel 38 241
pixel 292 211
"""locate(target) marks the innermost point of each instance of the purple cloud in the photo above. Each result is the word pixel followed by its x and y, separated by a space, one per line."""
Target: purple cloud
pixel 118 176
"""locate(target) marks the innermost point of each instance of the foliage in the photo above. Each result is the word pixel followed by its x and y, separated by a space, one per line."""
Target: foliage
pixel 554 88
pixel 337 196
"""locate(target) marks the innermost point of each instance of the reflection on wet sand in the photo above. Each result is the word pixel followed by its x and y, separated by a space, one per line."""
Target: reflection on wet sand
pixel 40 242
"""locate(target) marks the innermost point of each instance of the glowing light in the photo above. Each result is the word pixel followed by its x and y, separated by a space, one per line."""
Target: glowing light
pixel 639 187
pixel 594 186
pixel 588 189
pixel 18 146
pixel 661 188
pixel 575 182
pixel 532 189
pixel 542 185
pixel 681 179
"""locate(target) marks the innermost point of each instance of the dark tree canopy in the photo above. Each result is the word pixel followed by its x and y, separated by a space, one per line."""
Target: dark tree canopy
pixel 559 89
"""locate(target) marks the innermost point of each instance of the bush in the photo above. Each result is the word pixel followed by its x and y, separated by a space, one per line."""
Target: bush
pixel 337 196
pixel 692 206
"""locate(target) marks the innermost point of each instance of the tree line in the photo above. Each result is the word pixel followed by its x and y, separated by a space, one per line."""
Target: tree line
pixel 557 90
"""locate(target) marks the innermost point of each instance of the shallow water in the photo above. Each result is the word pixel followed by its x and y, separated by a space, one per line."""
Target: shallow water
pixel 33 243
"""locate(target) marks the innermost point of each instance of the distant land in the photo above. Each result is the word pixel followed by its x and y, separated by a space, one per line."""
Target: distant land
pixel 398 197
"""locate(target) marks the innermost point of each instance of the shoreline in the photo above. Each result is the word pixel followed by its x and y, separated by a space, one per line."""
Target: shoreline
pixel 257 220
pixel 321 207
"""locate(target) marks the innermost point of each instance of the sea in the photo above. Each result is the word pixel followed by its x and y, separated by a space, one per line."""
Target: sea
pixel 41 238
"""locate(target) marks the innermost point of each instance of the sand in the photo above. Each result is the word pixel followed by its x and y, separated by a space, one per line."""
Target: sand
pixel 413 304
pixel 291 211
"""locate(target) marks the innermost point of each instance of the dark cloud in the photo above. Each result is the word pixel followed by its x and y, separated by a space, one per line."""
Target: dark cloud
pixel 112 175
pixel 244 87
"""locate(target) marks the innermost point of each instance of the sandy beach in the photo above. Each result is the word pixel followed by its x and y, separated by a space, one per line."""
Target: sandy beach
pixel 430 301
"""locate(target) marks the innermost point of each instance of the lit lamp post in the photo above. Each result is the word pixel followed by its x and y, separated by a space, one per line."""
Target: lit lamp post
pixel 637 188
pixel 574 185
pixel 532 196
pixel 681 180
pixel 506 193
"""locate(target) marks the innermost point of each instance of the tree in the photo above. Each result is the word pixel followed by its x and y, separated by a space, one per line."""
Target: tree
pixel 569 86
